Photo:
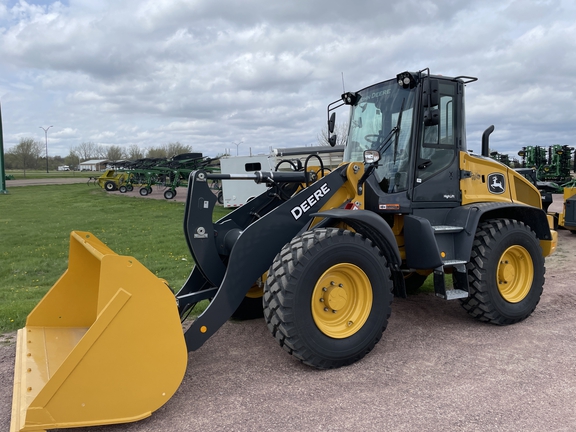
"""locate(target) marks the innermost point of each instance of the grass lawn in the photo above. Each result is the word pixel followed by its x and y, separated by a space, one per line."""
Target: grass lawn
pixel 35 226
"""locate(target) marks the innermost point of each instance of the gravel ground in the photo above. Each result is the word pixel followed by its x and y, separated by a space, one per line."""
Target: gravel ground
pixel 435 369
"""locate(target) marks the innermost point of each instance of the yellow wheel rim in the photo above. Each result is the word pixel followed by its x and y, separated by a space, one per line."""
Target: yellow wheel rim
pixel 514 274
pixel 342 301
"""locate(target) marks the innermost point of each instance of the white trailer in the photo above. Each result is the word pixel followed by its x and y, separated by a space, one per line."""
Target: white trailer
pixel 236 193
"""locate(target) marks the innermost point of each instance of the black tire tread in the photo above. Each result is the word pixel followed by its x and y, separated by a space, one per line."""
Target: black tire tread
pixel 479 304
pixel 279 317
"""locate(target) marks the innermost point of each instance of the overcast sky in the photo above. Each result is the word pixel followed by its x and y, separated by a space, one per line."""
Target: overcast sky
pixel 211 73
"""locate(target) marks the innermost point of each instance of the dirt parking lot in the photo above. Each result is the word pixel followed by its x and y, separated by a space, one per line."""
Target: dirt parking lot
pixel 436 369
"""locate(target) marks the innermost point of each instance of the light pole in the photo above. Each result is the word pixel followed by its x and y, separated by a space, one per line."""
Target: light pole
pixel 2 171
pixel 237 145
pixel 46 136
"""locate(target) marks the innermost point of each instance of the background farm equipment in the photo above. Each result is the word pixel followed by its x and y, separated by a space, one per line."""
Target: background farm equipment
pixel 167 173
pixel 552 165
pixel 111 180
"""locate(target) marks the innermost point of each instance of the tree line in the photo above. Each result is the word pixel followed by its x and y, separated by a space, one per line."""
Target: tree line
pixel 29 154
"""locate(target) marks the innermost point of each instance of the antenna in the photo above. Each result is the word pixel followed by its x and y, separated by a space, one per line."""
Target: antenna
pixel 343 88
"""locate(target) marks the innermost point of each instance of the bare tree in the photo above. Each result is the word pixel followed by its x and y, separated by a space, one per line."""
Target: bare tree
pixel 26 153
pixel 340 130
pixel 114 153
pixel 157 152
pixel 168 150
pixel 89 150
pixel 175 148
pixel 72 160
pixel 134 152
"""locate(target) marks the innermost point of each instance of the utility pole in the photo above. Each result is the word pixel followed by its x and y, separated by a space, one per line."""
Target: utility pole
pixel 2 170
pixel 237 145
pixel 46 136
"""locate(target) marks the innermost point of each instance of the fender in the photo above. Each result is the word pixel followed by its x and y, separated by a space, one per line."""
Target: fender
pixel 470 215
pixel 372 226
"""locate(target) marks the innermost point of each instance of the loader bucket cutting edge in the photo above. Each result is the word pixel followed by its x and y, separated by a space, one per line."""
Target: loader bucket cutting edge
pixel 104 345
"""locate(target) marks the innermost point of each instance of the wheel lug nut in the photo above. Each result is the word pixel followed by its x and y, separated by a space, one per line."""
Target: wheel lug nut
pixel 334 311
pixel 340 285
pixel 322 300
pixel 332 283
pixel 324 289
pixel 325 309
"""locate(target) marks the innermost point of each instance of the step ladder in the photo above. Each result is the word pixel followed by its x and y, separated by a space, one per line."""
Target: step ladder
pixel 459 273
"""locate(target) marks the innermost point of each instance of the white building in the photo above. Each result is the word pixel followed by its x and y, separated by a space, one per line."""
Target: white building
pixel 93 165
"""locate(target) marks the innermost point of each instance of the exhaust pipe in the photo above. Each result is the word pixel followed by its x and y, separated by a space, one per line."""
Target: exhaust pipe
pixel 486 141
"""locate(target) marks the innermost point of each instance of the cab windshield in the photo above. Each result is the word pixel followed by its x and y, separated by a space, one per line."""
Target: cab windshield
pixel 376 124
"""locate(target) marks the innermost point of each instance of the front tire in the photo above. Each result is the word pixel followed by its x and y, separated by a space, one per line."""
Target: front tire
pixel 110 186
pixel 328 297
pixel 505 273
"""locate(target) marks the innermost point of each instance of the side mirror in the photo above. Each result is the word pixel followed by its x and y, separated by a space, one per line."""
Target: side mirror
pixel 332 122
pixel 371 156
pixel 332 140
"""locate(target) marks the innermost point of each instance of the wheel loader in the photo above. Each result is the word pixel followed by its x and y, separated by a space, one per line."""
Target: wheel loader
pixel 320 255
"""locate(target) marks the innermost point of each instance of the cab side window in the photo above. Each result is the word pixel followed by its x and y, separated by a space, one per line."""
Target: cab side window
pixel 438 142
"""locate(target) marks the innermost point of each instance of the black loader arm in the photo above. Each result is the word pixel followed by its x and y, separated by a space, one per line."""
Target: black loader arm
pixel 234 252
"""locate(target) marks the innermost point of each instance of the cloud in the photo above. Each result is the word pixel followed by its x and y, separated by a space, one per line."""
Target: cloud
pixel 209 73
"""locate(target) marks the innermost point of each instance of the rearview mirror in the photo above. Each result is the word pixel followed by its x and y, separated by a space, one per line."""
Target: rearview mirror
pixel 332 122
pixel 371 156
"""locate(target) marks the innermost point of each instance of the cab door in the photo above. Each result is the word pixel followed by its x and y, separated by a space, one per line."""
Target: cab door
pixel 436 171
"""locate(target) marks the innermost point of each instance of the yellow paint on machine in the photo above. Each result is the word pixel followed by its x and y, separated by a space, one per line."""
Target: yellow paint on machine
pixel 105 345
pixel 476 185
pixel 475 188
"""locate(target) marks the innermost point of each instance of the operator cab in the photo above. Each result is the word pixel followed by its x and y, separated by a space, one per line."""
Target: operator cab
pixel 416 123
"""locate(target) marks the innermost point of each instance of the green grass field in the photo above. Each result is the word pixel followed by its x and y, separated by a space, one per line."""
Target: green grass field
pixel 35 226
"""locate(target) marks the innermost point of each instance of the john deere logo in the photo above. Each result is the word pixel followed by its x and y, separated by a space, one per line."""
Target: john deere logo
pixel 496 183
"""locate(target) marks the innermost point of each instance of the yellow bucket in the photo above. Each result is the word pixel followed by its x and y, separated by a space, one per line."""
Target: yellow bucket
pixel 104 346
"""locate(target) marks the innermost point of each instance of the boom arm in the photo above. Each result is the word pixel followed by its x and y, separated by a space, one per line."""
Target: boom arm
pixel 234 252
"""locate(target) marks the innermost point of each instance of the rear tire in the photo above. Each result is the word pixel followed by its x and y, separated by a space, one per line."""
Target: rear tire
pixel 328 297
pixel 505 273
pixel 123 189
pixel 169 194
pixel 129 188
pixel 413 281
pixel 251 306
pixel 144 191
pixel 249 309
